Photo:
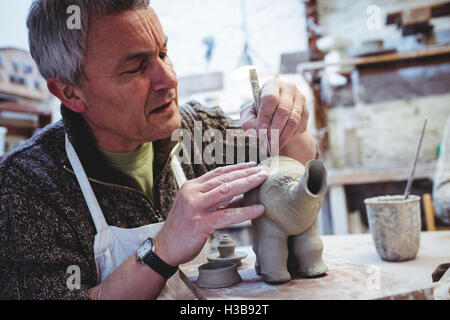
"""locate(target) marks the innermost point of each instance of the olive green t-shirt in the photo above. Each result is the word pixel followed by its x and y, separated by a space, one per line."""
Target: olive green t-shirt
pixel 137 167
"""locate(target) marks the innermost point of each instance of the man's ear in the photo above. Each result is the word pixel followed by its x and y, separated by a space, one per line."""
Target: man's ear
pixel 69 95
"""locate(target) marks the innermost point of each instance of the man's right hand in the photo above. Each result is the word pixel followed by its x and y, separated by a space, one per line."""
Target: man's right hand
pixel 204 205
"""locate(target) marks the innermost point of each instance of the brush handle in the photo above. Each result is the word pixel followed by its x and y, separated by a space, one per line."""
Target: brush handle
pixel 411 175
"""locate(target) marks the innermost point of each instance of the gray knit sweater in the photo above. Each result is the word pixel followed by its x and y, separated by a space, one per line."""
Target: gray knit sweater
pixel 45 224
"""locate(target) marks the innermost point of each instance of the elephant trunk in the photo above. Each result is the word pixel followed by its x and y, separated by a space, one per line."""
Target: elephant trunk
pixel 307 195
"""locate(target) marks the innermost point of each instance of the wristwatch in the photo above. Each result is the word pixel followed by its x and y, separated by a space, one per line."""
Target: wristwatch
pixel 145 254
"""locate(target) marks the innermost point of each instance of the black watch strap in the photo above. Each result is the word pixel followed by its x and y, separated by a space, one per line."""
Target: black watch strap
pixel 159 266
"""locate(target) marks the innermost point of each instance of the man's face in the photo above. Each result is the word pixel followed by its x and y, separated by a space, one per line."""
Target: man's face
pixel 130 93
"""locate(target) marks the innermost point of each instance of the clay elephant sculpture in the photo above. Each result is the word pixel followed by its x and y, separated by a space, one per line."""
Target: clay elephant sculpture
pixel 285 238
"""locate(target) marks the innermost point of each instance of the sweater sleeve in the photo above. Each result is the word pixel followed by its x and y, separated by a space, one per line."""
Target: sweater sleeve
pixel 37 261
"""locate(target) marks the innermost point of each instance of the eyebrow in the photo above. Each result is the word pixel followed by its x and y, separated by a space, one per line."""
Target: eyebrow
pixel 138 55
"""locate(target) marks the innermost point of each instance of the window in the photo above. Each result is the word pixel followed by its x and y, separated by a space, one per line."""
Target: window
pixel 16 66
pixel 1 62
pixel 17 80
pixel 37 84
pixel 27 69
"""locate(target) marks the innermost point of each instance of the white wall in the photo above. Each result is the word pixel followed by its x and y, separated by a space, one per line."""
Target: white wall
pixel 273 27
pixel 13 29
pixel 387 133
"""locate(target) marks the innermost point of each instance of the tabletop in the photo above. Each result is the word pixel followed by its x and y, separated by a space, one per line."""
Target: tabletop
pixel 355 272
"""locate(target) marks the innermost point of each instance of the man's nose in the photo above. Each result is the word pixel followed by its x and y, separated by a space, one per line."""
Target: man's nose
pixel 163 77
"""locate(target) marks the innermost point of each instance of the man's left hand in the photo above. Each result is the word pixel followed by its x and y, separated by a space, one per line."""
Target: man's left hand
pixel 282 108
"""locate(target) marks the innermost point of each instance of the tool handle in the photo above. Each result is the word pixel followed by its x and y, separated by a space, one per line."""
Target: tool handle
pixel 256 90
pixel 254 82
pixel 413 168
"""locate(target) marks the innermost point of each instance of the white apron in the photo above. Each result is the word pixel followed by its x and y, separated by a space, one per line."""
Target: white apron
pixel 113 245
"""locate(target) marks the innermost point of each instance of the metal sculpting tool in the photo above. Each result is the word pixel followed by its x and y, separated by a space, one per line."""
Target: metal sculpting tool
pixel 254 82
pixel 411 175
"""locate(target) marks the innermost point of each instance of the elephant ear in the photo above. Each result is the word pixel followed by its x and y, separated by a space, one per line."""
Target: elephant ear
pixel 253 196
pixel 285 173
pixel 275 198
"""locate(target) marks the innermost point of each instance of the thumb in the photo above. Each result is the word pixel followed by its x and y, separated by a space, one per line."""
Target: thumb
pixel 248 117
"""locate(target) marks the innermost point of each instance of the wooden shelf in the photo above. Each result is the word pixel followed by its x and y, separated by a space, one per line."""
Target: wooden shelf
pixel 391 58
pixel 365 175
pixel 436 10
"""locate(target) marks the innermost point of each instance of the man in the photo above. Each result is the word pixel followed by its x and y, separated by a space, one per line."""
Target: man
pixel 441 182
pixel 77 197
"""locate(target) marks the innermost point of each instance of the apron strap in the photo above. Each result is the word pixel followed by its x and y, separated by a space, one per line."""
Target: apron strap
pixel 86 188
pixel 180 177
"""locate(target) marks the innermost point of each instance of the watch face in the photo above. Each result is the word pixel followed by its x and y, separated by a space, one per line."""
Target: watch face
pixel 144 248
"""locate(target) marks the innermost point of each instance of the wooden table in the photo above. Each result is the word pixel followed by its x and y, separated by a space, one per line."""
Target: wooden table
pixel 355 272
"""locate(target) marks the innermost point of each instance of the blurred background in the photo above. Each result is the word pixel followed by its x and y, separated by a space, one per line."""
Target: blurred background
pixel 371 70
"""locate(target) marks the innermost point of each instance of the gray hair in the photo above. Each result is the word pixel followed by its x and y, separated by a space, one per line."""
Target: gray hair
pixel 59 51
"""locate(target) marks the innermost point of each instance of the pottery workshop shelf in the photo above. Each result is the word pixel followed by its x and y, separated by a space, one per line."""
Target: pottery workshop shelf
pixel 432 53
pixel 363 175
pixel 355 272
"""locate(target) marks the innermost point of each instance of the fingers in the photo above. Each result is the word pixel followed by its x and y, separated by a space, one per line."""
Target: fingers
pixel 229 177
pixel 297 121
pixel 226 191
pixel 224 170
pixel 282 108
pixel 300 100
pixel 224 218
pixel 270 94
pixel 283 112
pixel 290 116
pixel 236 202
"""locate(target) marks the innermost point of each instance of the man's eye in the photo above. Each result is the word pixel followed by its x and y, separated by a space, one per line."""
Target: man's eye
pixel 163 55
pixel 136 70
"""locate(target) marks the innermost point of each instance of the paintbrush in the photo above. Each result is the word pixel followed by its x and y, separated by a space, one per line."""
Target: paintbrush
pixel 254 82
pixel 413 168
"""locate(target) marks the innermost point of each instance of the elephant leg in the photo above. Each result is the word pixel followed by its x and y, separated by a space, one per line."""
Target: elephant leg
pixel 255 237
pixel 271 251
pixel 293 263
pixel 306 250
